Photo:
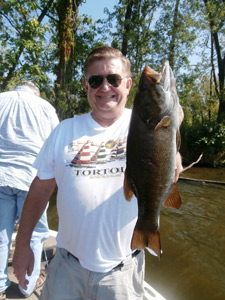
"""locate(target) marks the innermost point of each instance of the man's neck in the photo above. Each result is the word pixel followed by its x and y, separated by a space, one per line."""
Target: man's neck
pixel 105 120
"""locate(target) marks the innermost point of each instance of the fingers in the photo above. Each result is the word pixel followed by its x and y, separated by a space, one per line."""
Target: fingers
pixel 23 282
pixel 178 167
pixel 30 269
pixel 176 175
pixel 181 114
pixel 23 262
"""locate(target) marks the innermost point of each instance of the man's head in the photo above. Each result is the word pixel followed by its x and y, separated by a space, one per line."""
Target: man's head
pixel 32 86
pixel 107 83
pixel 106 52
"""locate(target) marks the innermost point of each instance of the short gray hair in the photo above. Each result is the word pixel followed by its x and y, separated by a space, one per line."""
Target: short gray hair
pixel 32 86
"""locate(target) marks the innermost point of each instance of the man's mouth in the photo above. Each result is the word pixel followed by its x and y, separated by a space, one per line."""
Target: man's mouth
pixel 107 97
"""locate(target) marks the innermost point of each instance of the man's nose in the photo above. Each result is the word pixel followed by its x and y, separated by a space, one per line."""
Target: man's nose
pixel 105 84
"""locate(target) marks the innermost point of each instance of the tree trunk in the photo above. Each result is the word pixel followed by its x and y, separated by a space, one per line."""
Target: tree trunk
pixel 67 12
pixel 127 27
pixel 220 62
pixel 172 45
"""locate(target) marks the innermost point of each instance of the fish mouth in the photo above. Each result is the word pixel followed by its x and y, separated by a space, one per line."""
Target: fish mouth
pixel 164 78
pixel 154 76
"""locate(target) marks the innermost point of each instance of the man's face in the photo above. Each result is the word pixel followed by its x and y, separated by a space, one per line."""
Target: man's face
pixel 107 100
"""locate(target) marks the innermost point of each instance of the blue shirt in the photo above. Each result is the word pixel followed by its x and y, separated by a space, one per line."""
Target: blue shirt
pixel 25 123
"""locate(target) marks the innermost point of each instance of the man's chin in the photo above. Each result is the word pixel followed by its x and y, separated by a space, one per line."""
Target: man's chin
pixel 107 107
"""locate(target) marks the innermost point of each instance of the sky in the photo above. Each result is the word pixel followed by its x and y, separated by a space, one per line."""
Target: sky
pixel 95 8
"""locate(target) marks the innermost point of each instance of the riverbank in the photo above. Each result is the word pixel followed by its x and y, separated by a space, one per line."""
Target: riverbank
pixel 204 173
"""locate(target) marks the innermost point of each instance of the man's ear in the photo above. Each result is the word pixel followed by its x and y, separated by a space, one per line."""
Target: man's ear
pixel 129 84
pixel 85 85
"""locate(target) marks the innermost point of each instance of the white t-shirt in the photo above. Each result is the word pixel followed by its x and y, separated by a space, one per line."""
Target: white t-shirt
pixel 96 223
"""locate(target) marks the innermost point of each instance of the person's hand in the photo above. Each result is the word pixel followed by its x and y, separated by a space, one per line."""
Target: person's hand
pixel 179 166
pixel 178 156
pixel 23 263
pixel 181 114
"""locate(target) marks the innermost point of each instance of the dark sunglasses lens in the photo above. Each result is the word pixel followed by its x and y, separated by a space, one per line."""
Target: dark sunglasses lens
pixel 114 79
pixel 95 81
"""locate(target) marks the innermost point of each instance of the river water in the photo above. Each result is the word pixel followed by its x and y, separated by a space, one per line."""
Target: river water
pixel 192 266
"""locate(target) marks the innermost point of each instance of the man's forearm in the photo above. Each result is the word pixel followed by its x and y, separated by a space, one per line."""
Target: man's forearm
pixel 34 206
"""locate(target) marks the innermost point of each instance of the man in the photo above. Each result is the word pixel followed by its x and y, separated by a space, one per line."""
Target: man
pixel 85 157
pixel 26 120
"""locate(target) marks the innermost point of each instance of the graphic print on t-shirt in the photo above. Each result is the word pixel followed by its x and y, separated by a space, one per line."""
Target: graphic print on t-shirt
pixel 88 154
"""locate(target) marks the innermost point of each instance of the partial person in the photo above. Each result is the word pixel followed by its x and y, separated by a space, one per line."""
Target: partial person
pixel 26 120
pixel 85 157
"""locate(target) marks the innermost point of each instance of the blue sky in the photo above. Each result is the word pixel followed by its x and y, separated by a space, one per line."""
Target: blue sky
pixel 95 8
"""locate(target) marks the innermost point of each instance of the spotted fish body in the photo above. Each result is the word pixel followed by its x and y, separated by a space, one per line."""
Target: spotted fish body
pixel 151 154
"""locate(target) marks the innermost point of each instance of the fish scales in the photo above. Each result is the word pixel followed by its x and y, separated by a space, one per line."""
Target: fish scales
pixel 151 154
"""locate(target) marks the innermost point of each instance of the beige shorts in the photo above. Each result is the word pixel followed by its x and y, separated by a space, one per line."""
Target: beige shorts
pixel 67 279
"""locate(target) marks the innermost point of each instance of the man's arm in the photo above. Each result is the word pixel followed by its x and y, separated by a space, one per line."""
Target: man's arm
pixel 34 206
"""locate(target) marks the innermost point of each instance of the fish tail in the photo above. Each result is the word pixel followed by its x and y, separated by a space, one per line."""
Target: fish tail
pixel 142 239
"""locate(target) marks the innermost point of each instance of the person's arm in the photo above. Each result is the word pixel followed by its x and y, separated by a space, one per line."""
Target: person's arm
pixel 34 206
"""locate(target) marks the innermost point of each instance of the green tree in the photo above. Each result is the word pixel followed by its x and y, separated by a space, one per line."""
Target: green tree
pixel 65 23
pixel 22 38
pixel 174 34
pixel 214 11
pixel 133 33
pixel 74 37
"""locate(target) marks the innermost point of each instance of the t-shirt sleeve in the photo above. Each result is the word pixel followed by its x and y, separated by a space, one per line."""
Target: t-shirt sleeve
pixel 45 161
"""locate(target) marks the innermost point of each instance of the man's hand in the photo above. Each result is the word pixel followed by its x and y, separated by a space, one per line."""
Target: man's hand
pixel 23 263
pixel 179 166
pixel 178 156
pixel 181 115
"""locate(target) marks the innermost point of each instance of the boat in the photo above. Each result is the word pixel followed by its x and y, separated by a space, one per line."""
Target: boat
pixel 119 152
pixel 100 155
pixel 83 157
pixel 48 253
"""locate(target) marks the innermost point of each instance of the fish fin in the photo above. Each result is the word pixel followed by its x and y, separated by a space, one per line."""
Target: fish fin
pixel 128 193
pixel 142 239
pixel 165 122
pixel 174 199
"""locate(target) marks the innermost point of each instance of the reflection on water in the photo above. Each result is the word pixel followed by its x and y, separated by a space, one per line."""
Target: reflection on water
pixel 192 266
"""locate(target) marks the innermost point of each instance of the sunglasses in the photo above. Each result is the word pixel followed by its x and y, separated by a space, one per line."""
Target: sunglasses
pixel 95 81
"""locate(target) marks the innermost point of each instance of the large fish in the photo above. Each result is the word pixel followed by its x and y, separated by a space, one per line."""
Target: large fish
pixel 152 146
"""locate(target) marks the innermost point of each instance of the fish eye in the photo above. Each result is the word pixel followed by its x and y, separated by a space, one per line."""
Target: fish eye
pixel 143 87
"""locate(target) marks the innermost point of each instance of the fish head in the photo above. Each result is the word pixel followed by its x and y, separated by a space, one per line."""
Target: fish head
pixel 157 95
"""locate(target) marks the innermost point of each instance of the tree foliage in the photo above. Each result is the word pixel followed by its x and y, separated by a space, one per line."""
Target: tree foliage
pixel 215 14
pixel 23 37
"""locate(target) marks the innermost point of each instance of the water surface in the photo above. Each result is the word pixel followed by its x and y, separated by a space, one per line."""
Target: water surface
pixel 192 266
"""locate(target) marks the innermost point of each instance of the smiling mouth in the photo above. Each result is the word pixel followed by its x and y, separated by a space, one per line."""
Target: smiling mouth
pixel 107 97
